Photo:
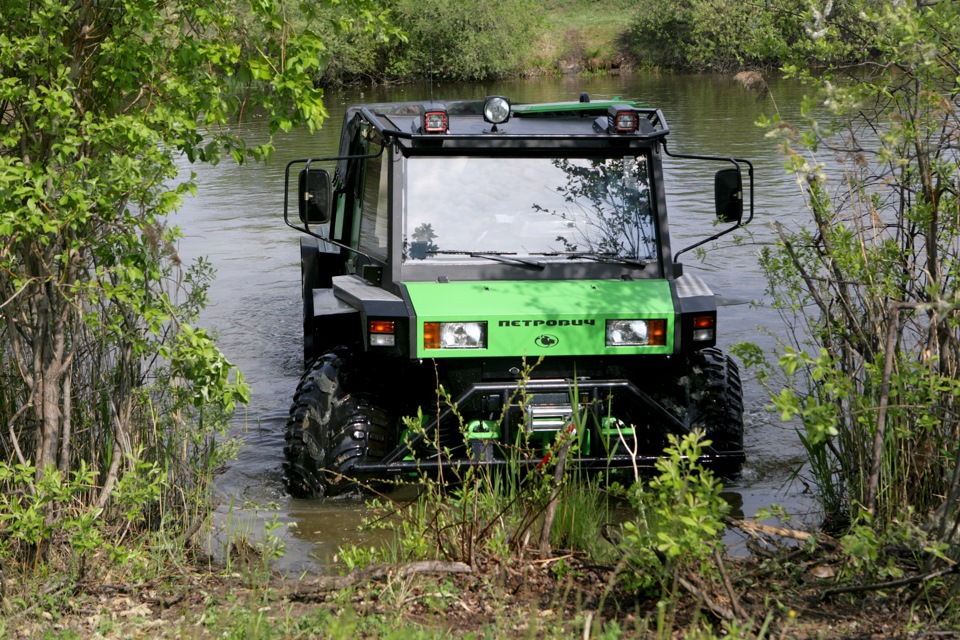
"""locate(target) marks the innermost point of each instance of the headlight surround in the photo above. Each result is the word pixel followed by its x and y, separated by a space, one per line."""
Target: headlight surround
pixel 636 333
pixel 454 335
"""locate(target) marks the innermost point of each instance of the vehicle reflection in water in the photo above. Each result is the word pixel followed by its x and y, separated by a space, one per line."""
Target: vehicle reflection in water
pixel 236 222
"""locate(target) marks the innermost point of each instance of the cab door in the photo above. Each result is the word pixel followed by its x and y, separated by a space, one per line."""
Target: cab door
pixel 363 203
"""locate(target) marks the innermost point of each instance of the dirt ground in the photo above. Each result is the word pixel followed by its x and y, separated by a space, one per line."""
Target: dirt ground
pixel 557 597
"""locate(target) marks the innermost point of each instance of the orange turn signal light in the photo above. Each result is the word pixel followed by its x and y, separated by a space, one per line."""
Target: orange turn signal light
pixel 383 326
pixel 658 332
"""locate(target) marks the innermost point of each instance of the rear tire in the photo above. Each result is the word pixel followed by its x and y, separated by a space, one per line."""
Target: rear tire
pixel 329 430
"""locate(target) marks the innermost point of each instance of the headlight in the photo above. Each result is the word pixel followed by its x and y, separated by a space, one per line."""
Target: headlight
pixel 454 335
pixel 636 333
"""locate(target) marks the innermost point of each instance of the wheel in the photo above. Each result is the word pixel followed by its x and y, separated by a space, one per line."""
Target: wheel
pixel 714 398
pixel 329 430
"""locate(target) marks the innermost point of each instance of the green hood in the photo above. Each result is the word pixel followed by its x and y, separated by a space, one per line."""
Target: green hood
pixel 533 318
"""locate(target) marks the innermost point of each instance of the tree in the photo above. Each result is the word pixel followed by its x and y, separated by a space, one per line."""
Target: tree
pixel 100 364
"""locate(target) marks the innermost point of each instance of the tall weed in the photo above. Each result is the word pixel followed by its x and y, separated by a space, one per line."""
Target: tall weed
pixel 476 514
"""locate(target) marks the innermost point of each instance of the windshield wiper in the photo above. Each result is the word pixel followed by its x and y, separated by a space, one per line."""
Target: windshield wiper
pixel 608 257
pixel 597 256
pixel 496 256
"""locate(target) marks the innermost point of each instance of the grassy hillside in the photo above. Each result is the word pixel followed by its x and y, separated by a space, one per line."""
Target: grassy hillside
pixel 581 34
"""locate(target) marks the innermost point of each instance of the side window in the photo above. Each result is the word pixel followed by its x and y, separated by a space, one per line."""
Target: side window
pixel 374 212
pixel 347 180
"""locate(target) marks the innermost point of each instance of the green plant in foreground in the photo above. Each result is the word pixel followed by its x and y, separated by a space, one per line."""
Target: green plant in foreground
pixel 477 513
pixel 26 524
pixel 866 281
pixel 679 519
pixel 114 404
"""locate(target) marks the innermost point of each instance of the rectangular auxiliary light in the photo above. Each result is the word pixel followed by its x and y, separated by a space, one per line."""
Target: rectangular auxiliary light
pixel 382 333
pixel 435 122
pixel 623 120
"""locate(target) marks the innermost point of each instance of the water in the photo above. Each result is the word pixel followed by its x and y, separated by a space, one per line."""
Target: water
pixel 236 222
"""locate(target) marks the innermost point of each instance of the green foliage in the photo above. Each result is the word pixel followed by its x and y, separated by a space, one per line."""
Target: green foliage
pixel 113 403
pixel 872 556
pixel 482 514
pixel 25 517
pixel 358 37
pixel 468 40
pixel 722 36
pixel 485 515
pixel 679 519
pixel 868 280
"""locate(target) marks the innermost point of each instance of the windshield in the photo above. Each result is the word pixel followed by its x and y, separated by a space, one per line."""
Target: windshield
pixel 551 208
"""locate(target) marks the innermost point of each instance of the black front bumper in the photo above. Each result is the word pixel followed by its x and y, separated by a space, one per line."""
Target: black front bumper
pixel 593 394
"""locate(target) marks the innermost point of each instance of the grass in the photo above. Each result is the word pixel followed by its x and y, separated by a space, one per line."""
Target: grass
pixel 587 30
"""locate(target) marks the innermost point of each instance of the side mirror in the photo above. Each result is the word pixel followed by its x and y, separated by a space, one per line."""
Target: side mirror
pixel 315 196
pixel 728 192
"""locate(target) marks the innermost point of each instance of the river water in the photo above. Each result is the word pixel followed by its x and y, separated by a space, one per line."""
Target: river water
pixel 236 222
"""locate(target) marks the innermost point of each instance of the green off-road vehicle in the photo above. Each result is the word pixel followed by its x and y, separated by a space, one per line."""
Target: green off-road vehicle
pixel 518 257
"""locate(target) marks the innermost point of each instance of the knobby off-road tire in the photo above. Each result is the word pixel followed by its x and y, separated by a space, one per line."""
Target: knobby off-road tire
pixel 329 430
pixel 715 403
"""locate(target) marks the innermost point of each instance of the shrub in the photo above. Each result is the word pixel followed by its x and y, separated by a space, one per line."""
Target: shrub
pixel 868 283
pixel 678 523
pixel 718 35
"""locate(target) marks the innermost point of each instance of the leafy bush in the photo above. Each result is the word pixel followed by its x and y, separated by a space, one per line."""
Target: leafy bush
pixel 868 282
pixel 718 35
pixel 104 379
pixel 469 40
pixel 679 519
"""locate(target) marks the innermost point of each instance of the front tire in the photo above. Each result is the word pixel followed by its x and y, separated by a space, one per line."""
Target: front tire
pixel 329 430
pixel 715 406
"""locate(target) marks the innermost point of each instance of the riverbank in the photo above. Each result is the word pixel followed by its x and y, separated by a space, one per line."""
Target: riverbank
pixel 790 594
pixel 444 42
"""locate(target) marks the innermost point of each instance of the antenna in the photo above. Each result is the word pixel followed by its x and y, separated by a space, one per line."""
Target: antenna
pixel 431 72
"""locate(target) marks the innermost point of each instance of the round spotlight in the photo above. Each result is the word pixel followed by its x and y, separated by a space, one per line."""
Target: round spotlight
pixel 496 109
